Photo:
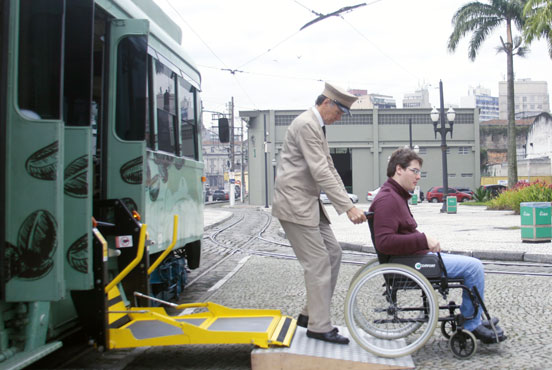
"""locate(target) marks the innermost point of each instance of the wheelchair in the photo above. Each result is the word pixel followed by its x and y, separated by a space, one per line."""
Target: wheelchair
pixel 392 306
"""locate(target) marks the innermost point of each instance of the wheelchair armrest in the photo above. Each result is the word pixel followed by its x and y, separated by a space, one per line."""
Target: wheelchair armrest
pixel 427 264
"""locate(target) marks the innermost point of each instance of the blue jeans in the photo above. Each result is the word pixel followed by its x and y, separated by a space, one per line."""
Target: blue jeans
pixel 471 270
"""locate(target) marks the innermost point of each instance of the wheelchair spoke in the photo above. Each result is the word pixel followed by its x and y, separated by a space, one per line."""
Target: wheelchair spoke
pixel 394 323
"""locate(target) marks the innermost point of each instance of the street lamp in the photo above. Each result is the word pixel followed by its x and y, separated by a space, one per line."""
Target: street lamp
pixel 439 116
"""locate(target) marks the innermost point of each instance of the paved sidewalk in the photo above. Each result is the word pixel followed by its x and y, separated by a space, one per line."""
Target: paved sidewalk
pixel 473 231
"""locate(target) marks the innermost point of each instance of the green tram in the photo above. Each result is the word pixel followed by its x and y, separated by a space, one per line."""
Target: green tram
pixel 99 122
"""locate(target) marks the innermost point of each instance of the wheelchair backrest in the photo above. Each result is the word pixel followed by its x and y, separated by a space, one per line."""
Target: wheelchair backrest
pixel 430 265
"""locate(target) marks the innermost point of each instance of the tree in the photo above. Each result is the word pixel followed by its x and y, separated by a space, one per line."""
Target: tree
pixel 538 23
pixel 481 19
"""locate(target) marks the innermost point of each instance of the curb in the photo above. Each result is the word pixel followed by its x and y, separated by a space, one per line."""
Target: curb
pixel 479 254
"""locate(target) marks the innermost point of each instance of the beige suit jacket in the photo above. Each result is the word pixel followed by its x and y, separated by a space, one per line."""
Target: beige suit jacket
pixel 305 168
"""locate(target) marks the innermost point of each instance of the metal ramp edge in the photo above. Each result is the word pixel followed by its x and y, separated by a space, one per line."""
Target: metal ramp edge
pixel 306 353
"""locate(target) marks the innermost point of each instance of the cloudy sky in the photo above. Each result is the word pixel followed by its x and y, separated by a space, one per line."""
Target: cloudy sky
pixel 389 47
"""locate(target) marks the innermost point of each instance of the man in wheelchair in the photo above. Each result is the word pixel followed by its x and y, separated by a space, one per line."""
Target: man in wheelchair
pixel 395 234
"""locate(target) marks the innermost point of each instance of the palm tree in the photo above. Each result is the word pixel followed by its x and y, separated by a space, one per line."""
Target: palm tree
pixel 481 19
pixel 538 23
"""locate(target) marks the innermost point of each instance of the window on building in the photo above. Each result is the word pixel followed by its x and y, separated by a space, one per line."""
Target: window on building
pixel 467 175
pixel 422 150
pixel 464 150
pixel 451 175
pixel 423 174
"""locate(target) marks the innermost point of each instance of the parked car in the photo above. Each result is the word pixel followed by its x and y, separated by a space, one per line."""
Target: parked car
pixel 219 195
pixel 464 190
pixel 372 194
pixel 325 200
pixel 495 190
pixel 435 194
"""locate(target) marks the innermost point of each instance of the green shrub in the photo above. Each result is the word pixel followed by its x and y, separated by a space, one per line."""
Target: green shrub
pixel 537 191
pixel 481 194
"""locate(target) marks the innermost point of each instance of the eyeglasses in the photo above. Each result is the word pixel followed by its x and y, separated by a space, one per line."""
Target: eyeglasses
pixel 414 170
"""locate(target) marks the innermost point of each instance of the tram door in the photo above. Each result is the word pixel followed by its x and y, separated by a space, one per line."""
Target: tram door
pixel 33 246
pixel 122 130
pixel 125 101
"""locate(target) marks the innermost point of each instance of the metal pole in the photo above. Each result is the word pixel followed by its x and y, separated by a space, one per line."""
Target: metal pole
pixel 242 191
pixel 443 131
pixel 266 163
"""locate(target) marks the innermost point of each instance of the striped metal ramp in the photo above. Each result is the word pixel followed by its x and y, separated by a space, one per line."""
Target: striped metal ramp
pixel 306 353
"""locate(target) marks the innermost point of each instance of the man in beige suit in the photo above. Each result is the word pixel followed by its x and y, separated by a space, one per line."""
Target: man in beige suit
pixel 305 169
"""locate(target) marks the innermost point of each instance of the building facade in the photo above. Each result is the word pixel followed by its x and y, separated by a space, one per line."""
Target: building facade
pixel 361 145
pixel 371 101
pixel 217 161
pixel 531 98
pixel 481 98
pixel 417 99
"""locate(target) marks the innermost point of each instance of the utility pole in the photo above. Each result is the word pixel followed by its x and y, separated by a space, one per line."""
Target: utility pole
pixel 242 192
pixel 231 195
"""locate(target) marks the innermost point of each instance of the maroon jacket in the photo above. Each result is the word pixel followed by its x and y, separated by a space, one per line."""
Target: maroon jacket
pixel 394 226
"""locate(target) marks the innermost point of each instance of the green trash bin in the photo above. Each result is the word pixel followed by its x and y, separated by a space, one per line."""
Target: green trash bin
pixel 451 204
pixel 535 221
pixel 414 199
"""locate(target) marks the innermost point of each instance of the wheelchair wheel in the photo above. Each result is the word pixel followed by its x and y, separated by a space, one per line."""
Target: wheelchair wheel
pixel 391 310
pixel 373 262
pixel 448 328
pixel 463 344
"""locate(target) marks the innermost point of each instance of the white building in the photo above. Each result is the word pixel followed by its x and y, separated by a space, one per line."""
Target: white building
pixel 480 97
pixel 417 99
pixel 371 101
pixel 531 98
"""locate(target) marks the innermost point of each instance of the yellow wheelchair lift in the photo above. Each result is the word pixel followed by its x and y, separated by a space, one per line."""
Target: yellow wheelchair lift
pixel 151 326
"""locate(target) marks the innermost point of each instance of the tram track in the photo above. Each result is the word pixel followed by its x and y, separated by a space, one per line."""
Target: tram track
pixel 506 268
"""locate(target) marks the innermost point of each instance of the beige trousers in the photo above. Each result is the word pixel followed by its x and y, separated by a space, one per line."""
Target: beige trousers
pixel 320 255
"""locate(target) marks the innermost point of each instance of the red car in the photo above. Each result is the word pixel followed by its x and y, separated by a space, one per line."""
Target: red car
pixel 435 194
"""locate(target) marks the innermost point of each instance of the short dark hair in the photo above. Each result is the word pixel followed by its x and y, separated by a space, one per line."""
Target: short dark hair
pixel 402 157
pixel 320 99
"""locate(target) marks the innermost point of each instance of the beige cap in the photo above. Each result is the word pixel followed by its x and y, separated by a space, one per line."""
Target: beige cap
pixel 342 98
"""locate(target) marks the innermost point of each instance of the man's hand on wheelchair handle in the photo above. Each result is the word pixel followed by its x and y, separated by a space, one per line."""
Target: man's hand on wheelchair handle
pixel 433 244
pixel 356 215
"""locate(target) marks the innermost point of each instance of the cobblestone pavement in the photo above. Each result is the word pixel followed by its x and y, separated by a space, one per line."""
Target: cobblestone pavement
pixel 521 302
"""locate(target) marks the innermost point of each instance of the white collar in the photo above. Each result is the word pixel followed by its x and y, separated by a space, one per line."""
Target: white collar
pixel 317 114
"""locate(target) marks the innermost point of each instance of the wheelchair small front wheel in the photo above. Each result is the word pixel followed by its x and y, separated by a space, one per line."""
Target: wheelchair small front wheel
pixel 463 344
pixel 448 328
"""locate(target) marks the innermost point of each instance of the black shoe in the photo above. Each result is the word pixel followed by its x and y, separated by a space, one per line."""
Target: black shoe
pixel 332 336
pixel 487 324
pixel 302 320
pixel 487 335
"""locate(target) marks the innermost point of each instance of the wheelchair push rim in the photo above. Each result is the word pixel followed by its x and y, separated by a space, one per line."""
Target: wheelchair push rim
pixel 397 322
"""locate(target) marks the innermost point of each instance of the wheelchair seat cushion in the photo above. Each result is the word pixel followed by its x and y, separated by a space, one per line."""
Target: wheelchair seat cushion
pixel 427 264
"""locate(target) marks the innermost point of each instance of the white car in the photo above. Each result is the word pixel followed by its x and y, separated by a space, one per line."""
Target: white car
pixel 325 200
pixel 372 194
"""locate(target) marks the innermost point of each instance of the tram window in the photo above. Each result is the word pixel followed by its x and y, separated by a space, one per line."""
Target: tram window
pixel 131 88
pixel 79 24
pixel 150 132
pixel 188 124
pixel 164 89
pixel 40 38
